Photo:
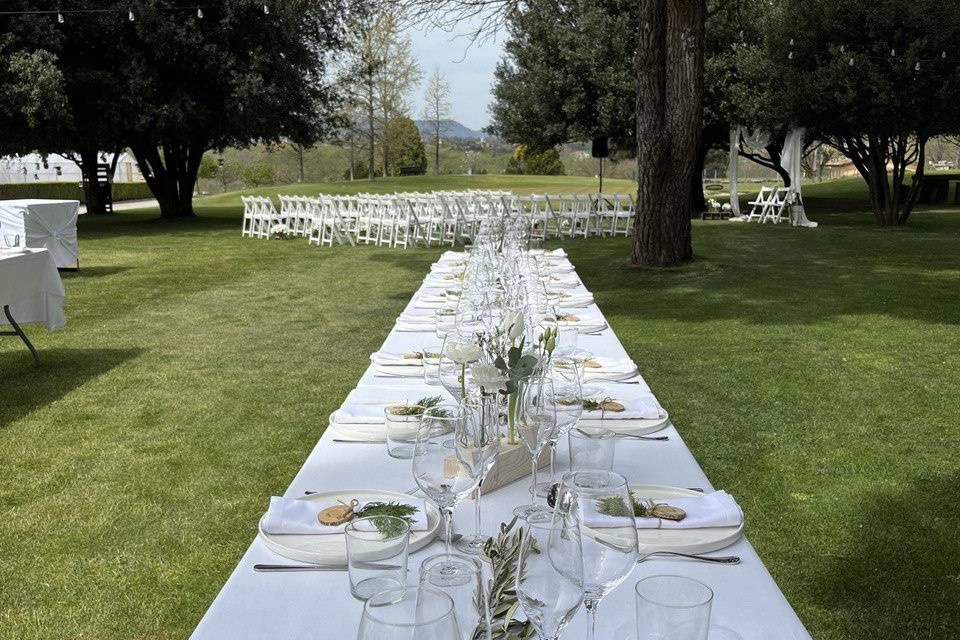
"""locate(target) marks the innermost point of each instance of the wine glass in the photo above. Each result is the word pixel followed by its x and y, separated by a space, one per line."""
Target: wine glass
pixel 568 395
pixel 478 443
pixel 536 424
pixel 600 503
pixel 437 468
pixel 402 613
pixel 549 573
pixel 469 594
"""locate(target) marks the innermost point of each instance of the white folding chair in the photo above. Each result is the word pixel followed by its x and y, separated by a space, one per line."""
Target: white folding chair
pixel 759 206
pixel 249 216
pixel 778 205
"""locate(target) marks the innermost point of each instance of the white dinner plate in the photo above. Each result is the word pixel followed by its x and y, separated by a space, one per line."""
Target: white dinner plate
pixel 702 540
pixel 330 550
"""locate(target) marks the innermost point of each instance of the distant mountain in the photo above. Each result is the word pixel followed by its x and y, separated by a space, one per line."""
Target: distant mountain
pixel 449 129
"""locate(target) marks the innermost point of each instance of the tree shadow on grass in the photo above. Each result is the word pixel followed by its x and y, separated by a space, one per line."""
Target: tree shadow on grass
pixel 25 388
pixel 899 576
pixel 91 272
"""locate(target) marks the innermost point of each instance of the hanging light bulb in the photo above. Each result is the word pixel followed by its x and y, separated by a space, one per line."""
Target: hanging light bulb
pixel 916 67
pixel 841 49
pixel 266 9
pixel 851 62
pixel 59 17
pixel 943 55
pixel 791 42
pixel 893 52
pixel 130 15
pixel 790 56
pixel 199 12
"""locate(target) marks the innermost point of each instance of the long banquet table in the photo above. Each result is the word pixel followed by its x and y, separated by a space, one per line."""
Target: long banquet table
pixel 319 605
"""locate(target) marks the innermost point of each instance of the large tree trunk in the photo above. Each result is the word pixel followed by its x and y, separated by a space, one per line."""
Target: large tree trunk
pixel 171 174
pixel 669 69
pixel 95 195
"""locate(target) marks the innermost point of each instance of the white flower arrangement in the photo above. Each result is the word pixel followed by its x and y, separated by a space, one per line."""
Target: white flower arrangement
pixel 714 204
pixel 280 231
pixel 489 378
pixel 726 207
pixel 512 324
pixel 463 353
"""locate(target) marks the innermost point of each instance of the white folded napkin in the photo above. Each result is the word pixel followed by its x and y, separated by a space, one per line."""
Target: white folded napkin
pixel 394 359
pixel 359 414
pixel 717 509
pixel 298 516
pixel 637 408
pixel 422 327
pixel 402 393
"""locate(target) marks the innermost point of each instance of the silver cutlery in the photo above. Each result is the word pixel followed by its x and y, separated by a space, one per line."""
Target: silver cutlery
pixel 692 556
pixel 263 568
pixel 639 437
pixel 380 442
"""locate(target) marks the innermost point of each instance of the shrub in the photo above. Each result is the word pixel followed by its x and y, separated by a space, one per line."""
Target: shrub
pixel 71 191
pixel 258 175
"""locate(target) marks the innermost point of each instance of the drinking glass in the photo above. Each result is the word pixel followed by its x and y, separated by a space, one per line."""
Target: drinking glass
pixel 673 608
pixel 568 396
pixel 536 424
pixel 469 593
pixel 401 431
pixel 591 448
pixel 444 319
pixel 436 466
pixel 375 560
pixel 610 541
pixel 549 574
pixel 431 364
pixel 478 443
pixel 408 612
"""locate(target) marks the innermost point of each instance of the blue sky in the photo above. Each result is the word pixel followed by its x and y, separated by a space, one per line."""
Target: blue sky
pixel 468 70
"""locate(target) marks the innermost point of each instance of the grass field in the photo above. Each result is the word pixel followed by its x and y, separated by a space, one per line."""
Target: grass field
pixel 813 373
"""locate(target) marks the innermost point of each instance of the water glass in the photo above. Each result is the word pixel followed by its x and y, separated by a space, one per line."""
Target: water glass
pixel 549 574
pixel 409 612
pixel 402 431
pixel 376 554
pixel 591 448
pixel 431 364
pixel 468 592
pixel 673 608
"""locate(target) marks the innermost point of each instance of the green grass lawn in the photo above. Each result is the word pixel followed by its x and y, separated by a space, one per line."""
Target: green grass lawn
pixel 814 374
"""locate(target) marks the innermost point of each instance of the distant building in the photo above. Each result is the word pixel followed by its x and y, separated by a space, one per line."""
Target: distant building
pixel 34 167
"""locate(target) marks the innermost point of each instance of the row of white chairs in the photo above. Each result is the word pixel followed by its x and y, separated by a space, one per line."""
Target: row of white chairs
pixel 438 217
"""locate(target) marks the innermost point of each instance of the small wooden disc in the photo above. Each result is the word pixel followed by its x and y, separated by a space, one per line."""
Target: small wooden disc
pixel 611 405
pixel 335 515
pixel 590 363
pixel 412 355
pixel 569 318
pixel 667 512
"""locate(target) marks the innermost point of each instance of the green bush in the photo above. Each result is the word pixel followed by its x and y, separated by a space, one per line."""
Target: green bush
pixel 71 191
pixel 537 162
pixel 258 175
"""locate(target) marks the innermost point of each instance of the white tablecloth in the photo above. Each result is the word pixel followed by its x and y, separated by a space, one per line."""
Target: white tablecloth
pixel 50 224
pixel 319 605
pixel 31 286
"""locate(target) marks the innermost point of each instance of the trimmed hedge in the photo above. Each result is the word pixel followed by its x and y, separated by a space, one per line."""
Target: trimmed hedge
pixel 71 191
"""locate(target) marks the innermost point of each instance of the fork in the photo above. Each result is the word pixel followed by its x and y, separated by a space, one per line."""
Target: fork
pixel 692 556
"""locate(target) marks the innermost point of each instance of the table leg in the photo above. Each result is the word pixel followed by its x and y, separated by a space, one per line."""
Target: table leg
pixel 17 331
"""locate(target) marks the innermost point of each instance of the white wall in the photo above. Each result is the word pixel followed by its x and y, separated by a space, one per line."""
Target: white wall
pixel 55 168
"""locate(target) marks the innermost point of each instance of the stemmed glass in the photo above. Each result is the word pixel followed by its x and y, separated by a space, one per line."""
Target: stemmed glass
pixel 478 443
pixel 536 424
pixel 549 574
pixel 437 467
pixel 409 612
pixel 600 503
pixel 568 394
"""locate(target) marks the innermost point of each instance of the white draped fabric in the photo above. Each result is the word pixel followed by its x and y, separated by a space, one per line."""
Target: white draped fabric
pixel 732 170
pixel 311 605
pixel 31 286
pixel 49 224
pixel 790 161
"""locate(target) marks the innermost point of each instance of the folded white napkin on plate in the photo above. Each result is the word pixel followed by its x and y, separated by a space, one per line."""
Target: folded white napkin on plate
pixel 395 359
pixel 400 371
pixel 297 516
pixel 359 414
pixel 423 327
pixel 399 393
pixel 717 509
pixel 643 407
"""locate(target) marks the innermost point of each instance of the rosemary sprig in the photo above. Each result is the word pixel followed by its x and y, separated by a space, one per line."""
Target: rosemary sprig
pixel 616 507
pixel 386 526
pixel 591 405
pixel 419 407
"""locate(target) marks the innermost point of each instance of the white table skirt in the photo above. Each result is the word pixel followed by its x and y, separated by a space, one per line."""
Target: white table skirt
pixel 49 224
pixel 31 286
pixel 319 605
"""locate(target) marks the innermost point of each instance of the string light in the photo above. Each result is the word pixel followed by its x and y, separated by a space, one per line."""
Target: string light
pixel 130 15
pixel 893 53
pixel 916 67
pixel 790 56
pixel 851 62
pixel 266 9
pixel 59 17
pixel 199 12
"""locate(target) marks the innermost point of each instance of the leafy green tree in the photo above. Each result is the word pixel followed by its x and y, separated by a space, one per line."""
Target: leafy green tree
pixel 171 85
pixel 875 79
pixel 528 160
pixel 404 138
